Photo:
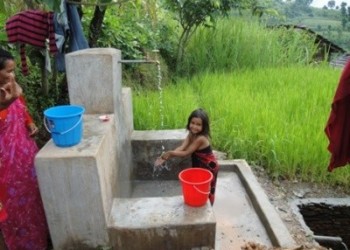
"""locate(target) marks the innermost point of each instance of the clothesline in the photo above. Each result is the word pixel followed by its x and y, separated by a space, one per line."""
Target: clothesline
pixel 96 4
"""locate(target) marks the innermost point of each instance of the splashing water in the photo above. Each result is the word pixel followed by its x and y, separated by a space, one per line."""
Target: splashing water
pixel 158 169
pixel 161 105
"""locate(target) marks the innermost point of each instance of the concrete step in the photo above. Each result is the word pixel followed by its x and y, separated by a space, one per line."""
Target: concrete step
pixel 242 210
pixel 161 223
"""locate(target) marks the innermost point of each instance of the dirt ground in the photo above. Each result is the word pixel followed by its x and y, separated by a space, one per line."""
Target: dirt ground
pixel 281 193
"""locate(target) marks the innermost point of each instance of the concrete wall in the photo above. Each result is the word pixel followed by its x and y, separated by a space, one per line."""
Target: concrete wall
pixel 79 183
pixel 94 79
pixel 148 145
pixel 76 186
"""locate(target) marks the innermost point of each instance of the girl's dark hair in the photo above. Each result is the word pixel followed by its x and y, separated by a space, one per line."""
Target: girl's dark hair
pixel 4 56
pixel 200 113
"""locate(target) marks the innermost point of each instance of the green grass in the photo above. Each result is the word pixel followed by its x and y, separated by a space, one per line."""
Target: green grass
pixel 237 44
pixel 274 117
pixel 266 103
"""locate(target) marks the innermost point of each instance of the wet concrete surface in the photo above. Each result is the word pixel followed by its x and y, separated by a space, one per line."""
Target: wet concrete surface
pixel 238 220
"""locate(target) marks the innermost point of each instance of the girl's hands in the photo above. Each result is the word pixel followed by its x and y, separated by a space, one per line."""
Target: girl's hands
pixel 159 162
pixel 161 159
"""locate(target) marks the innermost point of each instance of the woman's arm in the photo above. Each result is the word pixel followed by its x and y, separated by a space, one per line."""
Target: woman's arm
pixel 33 129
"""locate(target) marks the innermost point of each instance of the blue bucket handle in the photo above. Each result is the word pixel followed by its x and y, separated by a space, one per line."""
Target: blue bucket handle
pixel 65 132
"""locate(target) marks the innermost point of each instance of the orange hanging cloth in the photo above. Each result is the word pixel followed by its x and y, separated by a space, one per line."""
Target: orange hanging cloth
pixel 338 125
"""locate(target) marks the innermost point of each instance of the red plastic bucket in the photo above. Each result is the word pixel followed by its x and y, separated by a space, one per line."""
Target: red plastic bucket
pixel 195 186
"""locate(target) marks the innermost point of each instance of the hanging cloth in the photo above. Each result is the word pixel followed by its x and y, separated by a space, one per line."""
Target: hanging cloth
pixel 338 125
pixel 31 27
pixel 68 28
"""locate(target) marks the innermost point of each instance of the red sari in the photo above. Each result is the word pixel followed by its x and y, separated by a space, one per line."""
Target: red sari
pixel 26 227
pixel 337 128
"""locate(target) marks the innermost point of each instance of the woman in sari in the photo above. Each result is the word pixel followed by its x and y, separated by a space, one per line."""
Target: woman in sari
pixel 25 226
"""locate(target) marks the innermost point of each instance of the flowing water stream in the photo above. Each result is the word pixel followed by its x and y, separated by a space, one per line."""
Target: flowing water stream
pixel 156 169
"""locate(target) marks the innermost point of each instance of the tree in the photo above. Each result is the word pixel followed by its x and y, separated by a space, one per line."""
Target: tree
pixel 193 13
pixel 299 8
pixel 304 3
pixel 343 14
pixel 96 25
pixel 331 4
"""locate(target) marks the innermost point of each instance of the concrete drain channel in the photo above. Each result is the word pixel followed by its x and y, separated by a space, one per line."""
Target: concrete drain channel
pixel 327 220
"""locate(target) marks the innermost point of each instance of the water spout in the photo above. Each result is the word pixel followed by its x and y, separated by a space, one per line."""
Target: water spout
pixel 140 61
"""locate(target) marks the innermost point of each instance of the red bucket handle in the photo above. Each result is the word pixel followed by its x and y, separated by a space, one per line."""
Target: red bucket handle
pixel 200 191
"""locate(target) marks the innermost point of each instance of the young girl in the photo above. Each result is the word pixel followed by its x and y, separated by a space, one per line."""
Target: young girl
pixel 25 226
pixel 198 146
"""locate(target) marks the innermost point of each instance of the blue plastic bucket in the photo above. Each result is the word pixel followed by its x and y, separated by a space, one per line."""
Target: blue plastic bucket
pixel 65 123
